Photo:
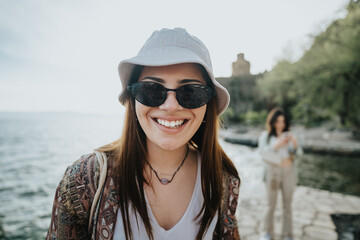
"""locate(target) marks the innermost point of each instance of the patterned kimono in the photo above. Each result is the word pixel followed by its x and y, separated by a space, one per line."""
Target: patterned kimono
pixel 76 190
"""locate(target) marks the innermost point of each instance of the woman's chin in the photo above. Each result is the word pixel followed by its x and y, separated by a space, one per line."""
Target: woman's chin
pixel 169 145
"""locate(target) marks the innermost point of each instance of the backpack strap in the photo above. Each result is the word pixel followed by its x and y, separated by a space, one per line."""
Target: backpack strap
pixel 102 160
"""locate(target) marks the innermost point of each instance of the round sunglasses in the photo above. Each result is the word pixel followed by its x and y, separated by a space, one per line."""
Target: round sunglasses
pixel 154 94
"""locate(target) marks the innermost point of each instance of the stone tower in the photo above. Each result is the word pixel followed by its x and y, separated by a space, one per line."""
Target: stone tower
pixel 241 67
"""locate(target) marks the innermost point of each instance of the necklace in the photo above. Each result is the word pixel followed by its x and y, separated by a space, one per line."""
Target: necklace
pixel 165 181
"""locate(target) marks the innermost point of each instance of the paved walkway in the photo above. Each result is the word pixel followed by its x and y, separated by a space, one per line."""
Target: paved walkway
pixel 311 207
pixel 311 213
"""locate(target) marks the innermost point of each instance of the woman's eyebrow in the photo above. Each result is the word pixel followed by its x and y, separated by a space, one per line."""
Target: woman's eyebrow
pixel 190 80
pixel 154 79
pixel 159 80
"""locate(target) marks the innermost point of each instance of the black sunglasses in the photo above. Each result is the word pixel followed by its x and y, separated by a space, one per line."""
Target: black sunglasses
pixel 154 94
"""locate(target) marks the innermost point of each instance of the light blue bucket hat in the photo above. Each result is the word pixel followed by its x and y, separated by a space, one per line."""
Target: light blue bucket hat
pixel 168 47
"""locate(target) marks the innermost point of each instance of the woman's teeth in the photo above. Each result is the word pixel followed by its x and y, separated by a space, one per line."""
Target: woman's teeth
pixel 170 124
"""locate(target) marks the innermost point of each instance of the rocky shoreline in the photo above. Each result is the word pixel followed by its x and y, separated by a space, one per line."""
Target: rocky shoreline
pixel 315 140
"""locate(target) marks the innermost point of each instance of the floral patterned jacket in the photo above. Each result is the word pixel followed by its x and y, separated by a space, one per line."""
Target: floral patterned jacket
pixel 75 193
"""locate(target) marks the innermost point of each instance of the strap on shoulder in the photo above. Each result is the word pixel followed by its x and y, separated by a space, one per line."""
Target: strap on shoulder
pixel 102 160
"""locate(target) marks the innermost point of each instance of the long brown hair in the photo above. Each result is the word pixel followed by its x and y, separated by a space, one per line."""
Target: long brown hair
pixel 271 120
pixel 129 155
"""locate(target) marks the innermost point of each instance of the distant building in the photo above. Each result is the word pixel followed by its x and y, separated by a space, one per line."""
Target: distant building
pixel 240 67
pixel 241 86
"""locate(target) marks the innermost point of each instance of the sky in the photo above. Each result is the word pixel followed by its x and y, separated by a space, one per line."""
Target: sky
pixel 62 55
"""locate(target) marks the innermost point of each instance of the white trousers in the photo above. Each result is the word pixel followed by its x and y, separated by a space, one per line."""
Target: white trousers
pixel 284 179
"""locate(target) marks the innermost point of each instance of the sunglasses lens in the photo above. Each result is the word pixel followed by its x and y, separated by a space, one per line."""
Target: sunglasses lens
pixel 149 94
pixel 194 95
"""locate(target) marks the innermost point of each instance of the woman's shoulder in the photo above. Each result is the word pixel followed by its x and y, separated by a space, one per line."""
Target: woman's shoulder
pixel 79 183
pixel 85 159
pixel 73 198
pixel 262 141
pixel 81 178
pixel 84 167
pixel 264 134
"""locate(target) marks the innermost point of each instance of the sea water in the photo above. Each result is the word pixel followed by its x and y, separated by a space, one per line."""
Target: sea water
pixel 35 149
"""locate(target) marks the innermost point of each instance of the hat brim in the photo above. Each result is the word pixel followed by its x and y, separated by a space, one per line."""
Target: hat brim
pixel 170 56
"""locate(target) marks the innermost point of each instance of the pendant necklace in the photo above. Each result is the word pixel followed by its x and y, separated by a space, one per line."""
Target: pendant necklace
pixel 165 181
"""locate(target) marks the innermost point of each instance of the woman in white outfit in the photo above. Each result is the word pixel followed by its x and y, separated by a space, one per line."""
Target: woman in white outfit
pixel 278 147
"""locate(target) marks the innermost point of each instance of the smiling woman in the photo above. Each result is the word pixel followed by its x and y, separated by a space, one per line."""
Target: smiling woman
pixel 167 177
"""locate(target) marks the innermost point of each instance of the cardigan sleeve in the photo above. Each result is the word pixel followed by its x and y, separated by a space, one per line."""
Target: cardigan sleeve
pixel 263 144
pixel 227 227
pixel 234 188
pixel 73 200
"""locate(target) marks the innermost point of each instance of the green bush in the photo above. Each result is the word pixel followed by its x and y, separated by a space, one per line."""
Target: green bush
pixel 230 116
pixel 251 118
pixel 255 118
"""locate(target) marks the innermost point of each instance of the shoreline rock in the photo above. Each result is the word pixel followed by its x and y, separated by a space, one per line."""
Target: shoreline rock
pixel 318 141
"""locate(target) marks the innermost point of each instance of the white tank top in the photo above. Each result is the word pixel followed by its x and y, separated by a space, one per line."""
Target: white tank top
pixel 186 228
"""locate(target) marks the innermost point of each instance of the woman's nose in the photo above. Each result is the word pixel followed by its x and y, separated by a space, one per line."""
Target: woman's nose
pixel 171 104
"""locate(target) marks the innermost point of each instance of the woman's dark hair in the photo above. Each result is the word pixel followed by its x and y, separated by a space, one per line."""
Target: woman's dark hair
pixel 129 154
pixel 271 120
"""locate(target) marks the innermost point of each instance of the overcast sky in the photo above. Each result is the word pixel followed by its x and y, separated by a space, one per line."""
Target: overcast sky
pixel 63 55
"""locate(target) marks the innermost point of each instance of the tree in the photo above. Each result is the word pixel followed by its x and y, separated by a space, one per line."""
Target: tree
pixel 328 74
pixel 326 80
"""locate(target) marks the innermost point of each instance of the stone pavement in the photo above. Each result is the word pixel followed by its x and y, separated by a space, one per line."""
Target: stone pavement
pixel 311 207
pixel 311 213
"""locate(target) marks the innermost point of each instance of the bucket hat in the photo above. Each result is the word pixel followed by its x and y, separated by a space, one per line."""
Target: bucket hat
pixel 168 47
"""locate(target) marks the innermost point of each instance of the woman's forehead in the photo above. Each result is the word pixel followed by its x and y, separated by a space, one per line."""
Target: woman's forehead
pixel 176 72
pixel 280 118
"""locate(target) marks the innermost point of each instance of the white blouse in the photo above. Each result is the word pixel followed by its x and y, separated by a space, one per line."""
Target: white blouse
pixel 284 150
pixel 186 228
